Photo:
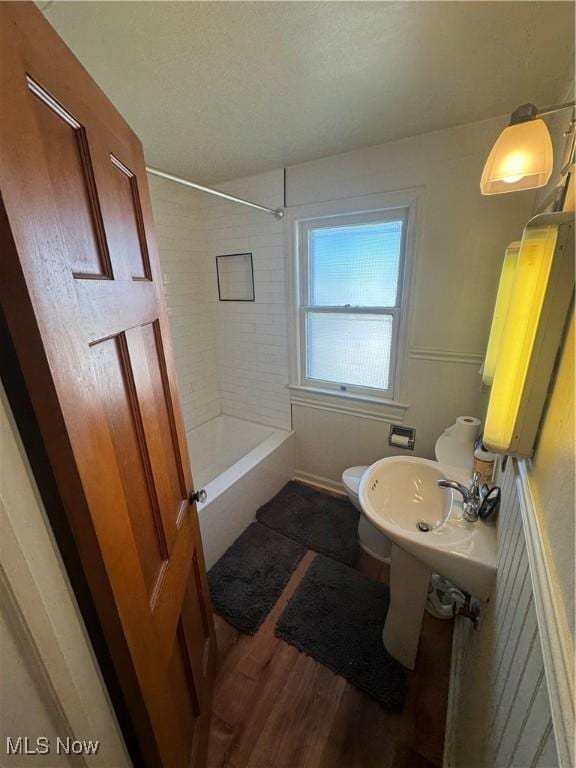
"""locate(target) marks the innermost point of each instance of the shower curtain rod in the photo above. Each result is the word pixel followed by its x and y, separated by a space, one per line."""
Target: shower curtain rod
pixel 278 212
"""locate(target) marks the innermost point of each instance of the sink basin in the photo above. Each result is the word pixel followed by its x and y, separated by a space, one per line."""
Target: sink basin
pixel 399 493
pixel 400 496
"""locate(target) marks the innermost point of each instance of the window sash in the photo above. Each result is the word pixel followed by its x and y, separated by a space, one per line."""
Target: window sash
pixel 305 307
pixel 344 386
pixel 346 310
pixel 330 222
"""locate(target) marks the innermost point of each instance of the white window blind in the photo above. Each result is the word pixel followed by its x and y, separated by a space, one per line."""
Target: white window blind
pixel 350 307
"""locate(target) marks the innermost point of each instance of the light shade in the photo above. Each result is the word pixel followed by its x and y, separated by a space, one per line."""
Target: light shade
pixel 500 310
pixel 521 158
pixel 541 295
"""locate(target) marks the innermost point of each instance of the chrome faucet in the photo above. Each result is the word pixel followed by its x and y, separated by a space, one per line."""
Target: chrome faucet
pixel 472 496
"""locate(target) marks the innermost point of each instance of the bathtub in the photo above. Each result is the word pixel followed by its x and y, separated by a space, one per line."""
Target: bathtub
pixel 240 465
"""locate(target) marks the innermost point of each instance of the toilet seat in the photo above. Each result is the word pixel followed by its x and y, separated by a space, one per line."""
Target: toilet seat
pixel 351 479
pixel 371 540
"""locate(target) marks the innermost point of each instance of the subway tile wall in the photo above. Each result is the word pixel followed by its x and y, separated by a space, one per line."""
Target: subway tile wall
pixel 188 285
pixel 251 337
pixel 231 357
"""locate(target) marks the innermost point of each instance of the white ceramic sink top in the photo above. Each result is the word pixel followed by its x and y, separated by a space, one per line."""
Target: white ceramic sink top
pixel 398 492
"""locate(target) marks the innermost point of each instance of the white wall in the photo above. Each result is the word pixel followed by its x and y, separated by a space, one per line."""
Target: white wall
pixel 460 244
pixel 50 682
pixel 462 232
pixel 189 288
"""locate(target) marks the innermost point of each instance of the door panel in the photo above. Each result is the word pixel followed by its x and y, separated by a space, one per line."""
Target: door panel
pixel 81 292
pixel 117 392
pixel 71 174
pixel 184 685
pixel 151 383
pixel 197 632
pixel 128 221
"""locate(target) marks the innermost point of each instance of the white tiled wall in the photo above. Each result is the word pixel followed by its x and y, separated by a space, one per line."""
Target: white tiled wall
pixel 189 285
pixel 251 337
pixel 231 357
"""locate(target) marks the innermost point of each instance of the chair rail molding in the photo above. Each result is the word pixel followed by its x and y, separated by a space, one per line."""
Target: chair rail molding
pixel 446 355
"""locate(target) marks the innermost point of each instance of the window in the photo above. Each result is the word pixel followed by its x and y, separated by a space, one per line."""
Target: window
pixel 350 302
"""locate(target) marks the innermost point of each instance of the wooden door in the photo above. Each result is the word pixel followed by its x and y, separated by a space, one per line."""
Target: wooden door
pixel 81 293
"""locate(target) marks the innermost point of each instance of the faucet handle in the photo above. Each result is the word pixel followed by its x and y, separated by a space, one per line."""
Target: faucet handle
pixel 475 491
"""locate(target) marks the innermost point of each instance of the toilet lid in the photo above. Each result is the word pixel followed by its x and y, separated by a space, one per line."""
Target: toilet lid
pixel 451 451
pixel 351 478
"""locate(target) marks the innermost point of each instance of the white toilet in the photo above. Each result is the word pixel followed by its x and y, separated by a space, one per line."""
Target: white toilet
pixel 370 539
pixel 449 449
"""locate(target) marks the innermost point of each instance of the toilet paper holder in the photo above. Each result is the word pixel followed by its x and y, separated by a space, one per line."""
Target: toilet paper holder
pixel 402 437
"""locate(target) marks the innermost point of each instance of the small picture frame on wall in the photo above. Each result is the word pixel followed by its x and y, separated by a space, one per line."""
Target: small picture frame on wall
pixel 235 273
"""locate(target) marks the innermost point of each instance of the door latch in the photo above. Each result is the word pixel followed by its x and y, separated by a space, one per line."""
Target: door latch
pixel 198 496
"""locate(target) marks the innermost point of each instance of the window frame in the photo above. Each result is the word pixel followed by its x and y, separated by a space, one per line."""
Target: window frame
pixel 396 311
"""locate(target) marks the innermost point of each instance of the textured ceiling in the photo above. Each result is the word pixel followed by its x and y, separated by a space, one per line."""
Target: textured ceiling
pixel 218 90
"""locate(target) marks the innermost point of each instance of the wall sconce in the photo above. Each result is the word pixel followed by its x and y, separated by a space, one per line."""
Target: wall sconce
pixel 500 310
pixel 523 156
pixel 542 291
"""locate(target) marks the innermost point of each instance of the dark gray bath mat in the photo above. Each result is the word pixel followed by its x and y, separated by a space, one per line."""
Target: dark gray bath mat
pixel 249 577
pixel 336 616
pixel 321 522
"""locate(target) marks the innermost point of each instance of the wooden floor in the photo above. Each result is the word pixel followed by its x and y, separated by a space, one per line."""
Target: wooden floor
pixel 275 707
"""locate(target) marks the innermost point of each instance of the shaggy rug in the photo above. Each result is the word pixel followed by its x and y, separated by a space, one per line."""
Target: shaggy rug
pixel 321 522
pixel 336 616
pixel 249 577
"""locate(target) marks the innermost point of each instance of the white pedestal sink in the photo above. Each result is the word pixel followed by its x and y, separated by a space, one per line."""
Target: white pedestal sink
pixel 399 495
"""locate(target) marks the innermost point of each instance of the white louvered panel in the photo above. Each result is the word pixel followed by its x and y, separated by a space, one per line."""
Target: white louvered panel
pixel 503 719
pixel 510 728
pixel 547 755
pixel 522 628
pixel 535 729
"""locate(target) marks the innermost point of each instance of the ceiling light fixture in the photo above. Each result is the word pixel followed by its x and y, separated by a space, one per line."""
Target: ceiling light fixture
pixel 522 157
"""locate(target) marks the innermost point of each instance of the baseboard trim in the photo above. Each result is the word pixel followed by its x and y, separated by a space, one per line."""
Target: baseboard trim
pixel 553 626
pixel 319 482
